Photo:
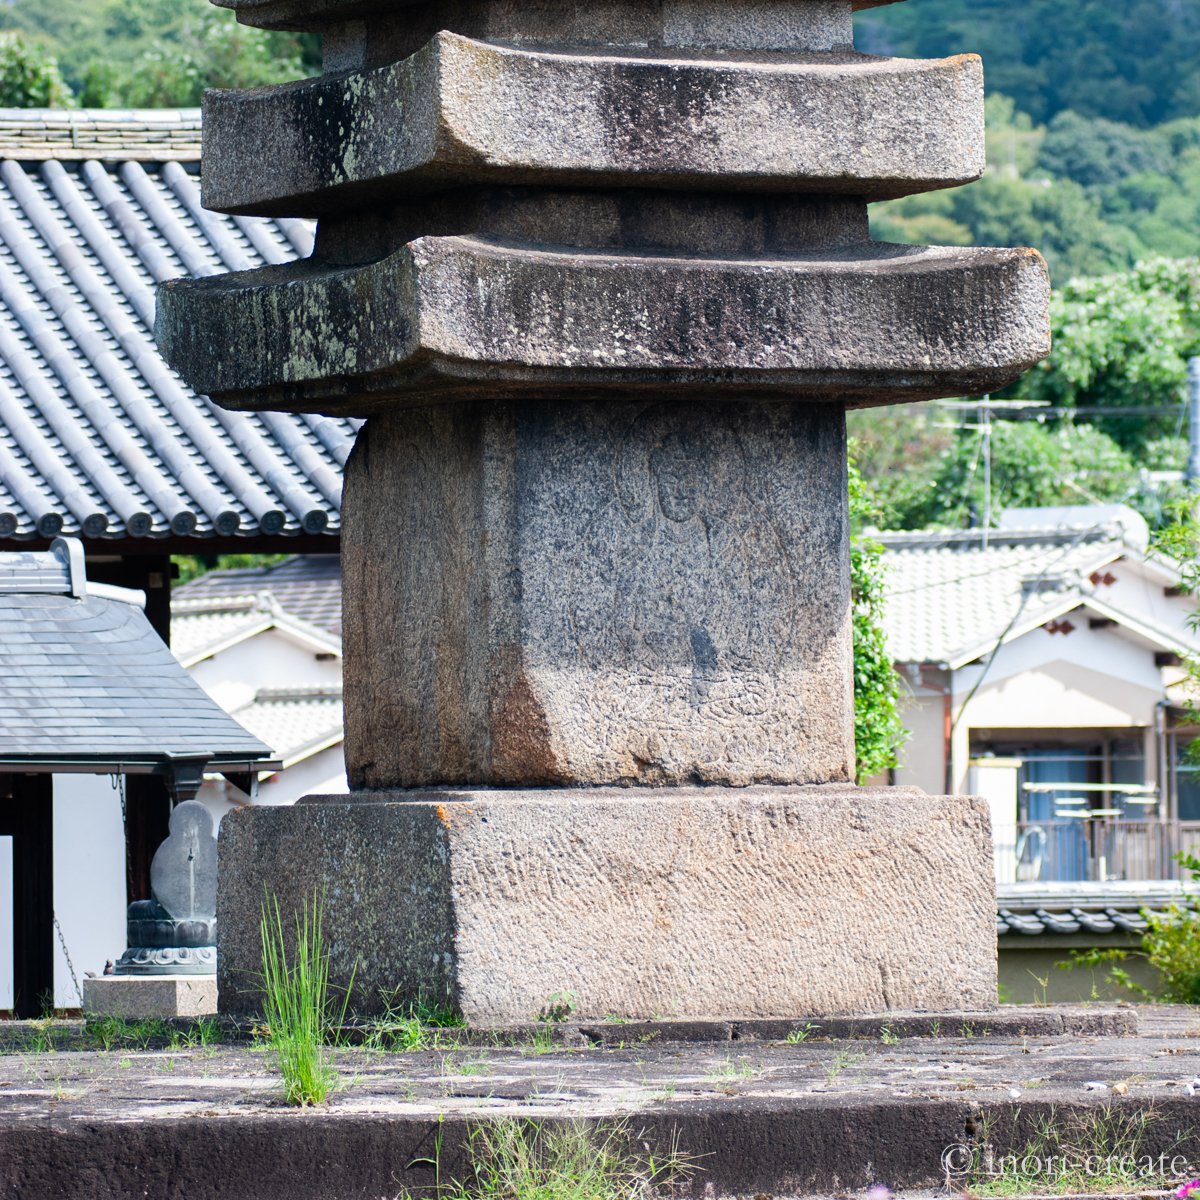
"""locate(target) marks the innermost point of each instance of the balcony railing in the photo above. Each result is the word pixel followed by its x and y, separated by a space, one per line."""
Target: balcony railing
pixel 1097 850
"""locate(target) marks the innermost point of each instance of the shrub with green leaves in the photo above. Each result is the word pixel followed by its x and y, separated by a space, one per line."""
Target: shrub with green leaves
pixel 28 78
pixel 878 732
pixel 1171 945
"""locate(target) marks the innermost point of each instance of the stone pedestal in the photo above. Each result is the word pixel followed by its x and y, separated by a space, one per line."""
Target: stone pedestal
pixel 599 272
pixel 672 902
pixel 150 996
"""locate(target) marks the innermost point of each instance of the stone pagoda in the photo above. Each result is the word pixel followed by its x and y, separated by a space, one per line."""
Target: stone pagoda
pixel 599 274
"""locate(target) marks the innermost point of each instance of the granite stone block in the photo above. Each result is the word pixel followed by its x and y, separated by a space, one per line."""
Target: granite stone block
pixel 633 593
pixel 150 996
pixel 453 318
pixel 605 22
pixel 461 112
pixel 687 902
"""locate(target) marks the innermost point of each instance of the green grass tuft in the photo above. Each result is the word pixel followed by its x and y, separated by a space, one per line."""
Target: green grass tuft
pixel 296 1004
pixel 525 1160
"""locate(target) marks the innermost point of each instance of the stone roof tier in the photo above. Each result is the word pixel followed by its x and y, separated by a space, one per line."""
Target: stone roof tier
pixel 591 200
pixel 763 24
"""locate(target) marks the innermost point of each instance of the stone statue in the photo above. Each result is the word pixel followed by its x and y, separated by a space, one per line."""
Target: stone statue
pixel 175 931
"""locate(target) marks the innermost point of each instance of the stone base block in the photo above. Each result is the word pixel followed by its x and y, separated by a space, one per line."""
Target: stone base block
pixel 150 996
pixel 640 903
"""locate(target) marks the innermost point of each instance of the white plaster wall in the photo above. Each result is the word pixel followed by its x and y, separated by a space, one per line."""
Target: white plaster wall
pixel 1138 590
pixel 1106 651
pixel 922 757
pixel 319 774
pixel 89 880
pixel 270 659
pixel 6 923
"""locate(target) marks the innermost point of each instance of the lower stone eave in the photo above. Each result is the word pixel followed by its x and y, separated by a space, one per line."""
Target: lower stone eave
pixel 447 318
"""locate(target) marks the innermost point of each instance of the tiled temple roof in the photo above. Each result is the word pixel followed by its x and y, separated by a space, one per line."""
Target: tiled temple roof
pixel 307 586
pixel 97 436
pixel 295 722
pixel 1087 908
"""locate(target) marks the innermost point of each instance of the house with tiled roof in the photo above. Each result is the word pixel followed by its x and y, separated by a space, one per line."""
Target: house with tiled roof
pixel 264 643
pixel 1041 664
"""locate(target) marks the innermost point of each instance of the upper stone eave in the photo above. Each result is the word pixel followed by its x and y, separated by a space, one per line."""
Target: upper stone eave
pixel 456 318
pixel 461 112
pixel 316 15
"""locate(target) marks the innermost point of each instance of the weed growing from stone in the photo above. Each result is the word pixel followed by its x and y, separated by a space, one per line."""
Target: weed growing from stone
pixel 112 1032
pixel 409 1025
pixel 526 1160
pixel 296 1003
pixel 1091 1150
pixel 542 1041
pixel 839 1062
pixel 560 1008
pixel 799 1035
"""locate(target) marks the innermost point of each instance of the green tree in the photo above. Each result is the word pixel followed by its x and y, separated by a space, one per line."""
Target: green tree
pixel 1032 465
pixel 209 50
pixel 157 51
pixel 878 732
pixel 28 78
pixel 1125 60
pixel 1123 339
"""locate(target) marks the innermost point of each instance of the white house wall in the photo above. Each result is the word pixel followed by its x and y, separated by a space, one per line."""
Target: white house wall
pixel 271 659
pixel 1138 590
pixel 89 885
pixel 321 774
pixel 89 879
pixel 922 759
pixel 1058 694
pixel 1114 652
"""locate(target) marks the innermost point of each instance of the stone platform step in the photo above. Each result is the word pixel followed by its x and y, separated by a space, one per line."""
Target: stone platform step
pixel 1019 1021
pixel 821 1117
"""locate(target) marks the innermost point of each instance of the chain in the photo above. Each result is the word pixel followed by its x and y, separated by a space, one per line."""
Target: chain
pixel 70 966
pixel 118 782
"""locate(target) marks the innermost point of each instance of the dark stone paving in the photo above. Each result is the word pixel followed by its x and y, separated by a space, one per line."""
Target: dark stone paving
pixel 821 1116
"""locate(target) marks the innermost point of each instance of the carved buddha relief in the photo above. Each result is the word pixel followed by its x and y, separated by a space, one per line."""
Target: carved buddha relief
pixel 681 582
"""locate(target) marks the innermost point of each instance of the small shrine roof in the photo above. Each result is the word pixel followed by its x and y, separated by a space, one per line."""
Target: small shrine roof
pixel 86 683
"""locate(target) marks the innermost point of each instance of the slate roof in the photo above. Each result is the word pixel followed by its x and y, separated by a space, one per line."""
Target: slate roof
pixel 307 586
pixel 84 679
pixel 947 600
pixel 97 436
pixel 1070 908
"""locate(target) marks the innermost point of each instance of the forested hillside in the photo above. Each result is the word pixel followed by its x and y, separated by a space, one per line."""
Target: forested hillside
pixel 151 53
pixel 1136 61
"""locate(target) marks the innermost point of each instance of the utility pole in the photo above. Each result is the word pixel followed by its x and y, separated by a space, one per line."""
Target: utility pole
pixel 1193 467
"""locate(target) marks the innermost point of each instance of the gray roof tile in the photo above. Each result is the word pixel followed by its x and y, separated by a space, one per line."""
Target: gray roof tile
pixel 97 436
pixel 100 682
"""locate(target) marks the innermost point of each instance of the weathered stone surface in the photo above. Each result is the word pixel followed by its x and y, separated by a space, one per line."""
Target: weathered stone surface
pixel 609 22
pixel 684 901
pixel 456 317
pixel 629 593
pixel 461 111
pixel 150 996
